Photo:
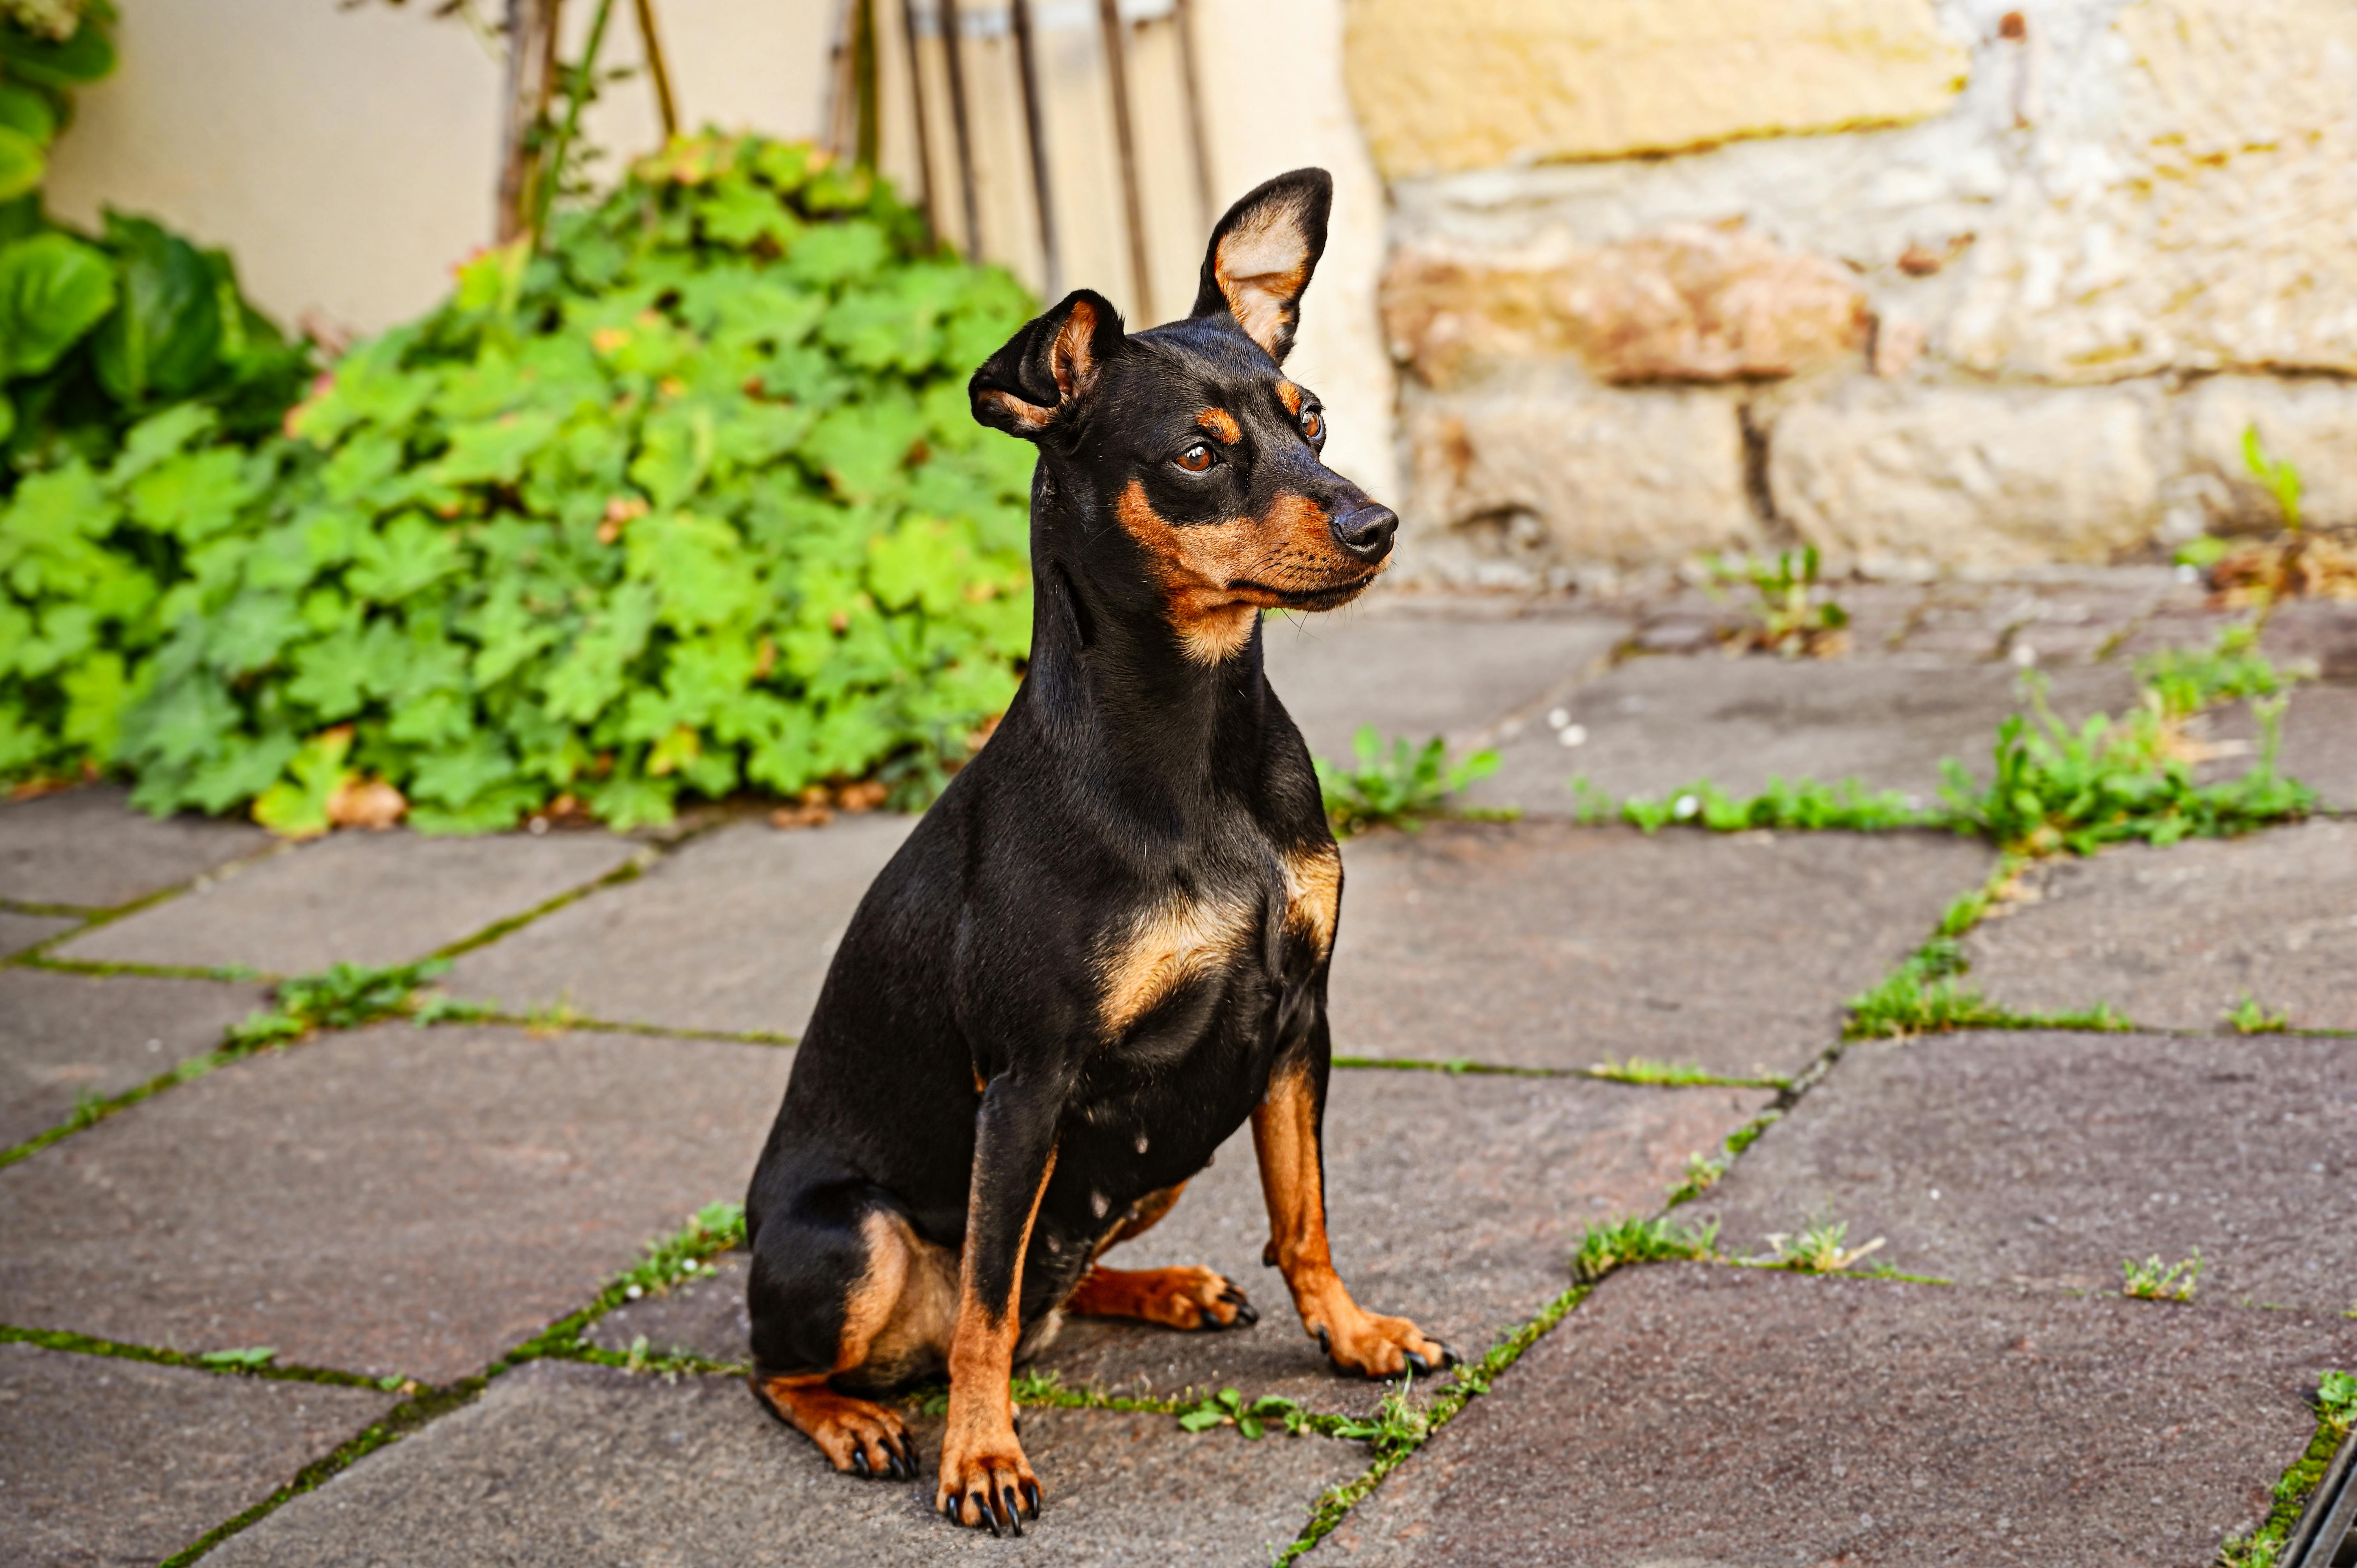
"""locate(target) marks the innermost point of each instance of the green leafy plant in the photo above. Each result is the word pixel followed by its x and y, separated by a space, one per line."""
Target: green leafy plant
pixel 2185 680
pixel 1789 616
pixel 2154 1281
pixel 1251 1418
pixel 343 996
pixel 1803 804
pixel 2248 1018
pixel 1821 1247
pixel 689 503
pixel 1637 1240
pixel 47 48
pixel 1645 1069
pixel 2275 475
pixel 2110 781
pixel 1395 1427
pixel 1926 995
pixel 1703 1172
pixel 1399 789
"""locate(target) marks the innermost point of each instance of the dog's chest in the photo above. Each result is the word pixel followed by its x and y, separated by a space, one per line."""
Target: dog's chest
pixel 1275 923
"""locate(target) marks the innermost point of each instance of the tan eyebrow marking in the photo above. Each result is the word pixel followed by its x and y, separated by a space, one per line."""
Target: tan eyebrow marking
pixel 1289 395
pixel 1221 423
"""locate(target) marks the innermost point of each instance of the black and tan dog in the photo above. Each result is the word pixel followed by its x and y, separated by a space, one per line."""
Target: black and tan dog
pixel 1105 946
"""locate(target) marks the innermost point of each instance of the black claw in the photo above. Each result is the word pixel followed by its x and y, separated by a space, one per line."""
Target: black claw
pixel 1245 1315
pixel 1032 1491
pixel 1423 1367
pixel 950 1507
pixel 1014 1511
pixel 859 1462
pixel 1325 1346
pixel 1449 1357
pixel 981 1505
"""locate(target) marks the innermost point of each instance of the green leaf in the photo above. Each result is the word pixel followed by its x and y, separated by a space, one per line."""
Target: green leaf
pixel 297 807
pixel 28 113
pixel 53 289
pixel 22 163
pixel 407 556
pixel 166 338
pixel 82 58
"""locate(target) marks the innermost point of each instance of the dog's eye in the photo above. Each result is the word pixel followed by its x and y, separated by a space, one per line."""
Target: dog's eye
pixel 1313 424
pixel 1196 459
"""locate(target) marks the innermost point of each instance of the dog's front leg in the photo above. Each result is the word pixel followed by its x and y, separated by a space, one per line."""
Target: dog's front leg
pixel 1285 1129
pixel 985 1480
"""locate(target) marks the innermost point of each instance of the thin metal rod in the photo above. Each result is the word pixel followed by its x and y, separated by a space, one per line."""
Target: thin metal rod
pixel 1206 187
pixel 1043 199
pixel 945 14
pixel 1117 73
pixel 924 120
pixel 862 72
pixel 657 68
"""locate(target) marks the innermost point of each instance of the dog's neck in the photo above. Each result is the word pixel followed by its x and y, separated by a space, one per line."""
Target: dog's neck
pixel 1118 693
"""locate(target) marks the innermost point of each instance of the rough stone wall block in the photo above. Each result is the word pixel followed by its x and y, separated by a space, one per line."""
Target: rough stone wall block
pixel 1517 478
pixel 1479 82
pixel 1930 478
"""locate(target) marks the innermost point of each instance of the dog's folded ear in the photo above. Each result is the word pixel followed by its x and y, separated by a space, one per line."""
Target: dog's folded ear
pixel 1046 369
pixel 1262 255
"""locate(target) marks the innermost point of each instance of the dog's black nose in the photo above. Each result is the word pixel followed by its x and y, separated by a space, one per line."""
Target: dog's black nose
pixel 1366 531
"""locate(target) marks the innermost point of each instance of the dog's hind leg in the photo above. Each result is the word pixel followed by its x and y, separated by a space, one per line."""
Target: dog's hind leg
pixel 840 1303
pixel 1176 1298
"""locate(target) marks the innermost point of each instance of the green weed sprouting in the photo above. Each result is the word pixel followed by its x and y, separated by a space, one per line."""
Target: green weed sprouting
pixel 1637 1240
pixel 1926 995
pixel 2336 1415
pixel 1647 1071
pixel 1399 789
pixel 1251 1418
pixel 1789 618
pixel 2112 781
pixel 1703 1172
pixel 2279 476
pixel 1803 804
pixel 2185 680
pixel 2154 1281
pixel 1397 1426
pixel 342 997
pixel 2248 1018
pixel 1819 1248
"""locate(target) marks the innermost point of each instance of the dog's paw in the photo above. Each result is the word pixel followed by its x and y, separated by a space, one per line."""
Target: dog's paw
pixel 986 1481
pixel 1186 1298
pixel 859 1436
pixel 1375 1347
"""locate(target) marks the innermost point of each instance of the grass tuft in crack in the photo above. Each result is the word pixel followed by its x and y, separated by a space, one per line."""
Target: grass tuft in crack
pixel 1401 789
pixel 675 1260
pixel 1926 995
pixel 2154 1281
pixel 2336 1416
pixel 1821 1247
pixel 344 996
pixel 1637 1240
pixel 2247 1017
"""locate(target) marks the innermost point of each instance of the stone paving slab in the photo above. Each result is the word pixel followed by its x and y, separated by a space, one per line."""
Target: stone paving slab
pixel 87 846
pixel 2175 936
pixel 2049 1159
pixel 106 1460
pixel 562 1464
pixel 1456 1199
pixel 1688 1414
pixel 1653 726
pixel 394 1200
pixel 65 1036
pixel 358 897
pixel 1417 677
pixel 1545 944
pixel 2321 631
pixel 19 931
pixel 733 931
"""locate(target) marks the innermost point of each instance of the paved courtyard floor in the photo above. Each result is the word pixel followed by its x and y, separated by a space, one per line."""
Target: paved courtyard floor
pixel 358 1299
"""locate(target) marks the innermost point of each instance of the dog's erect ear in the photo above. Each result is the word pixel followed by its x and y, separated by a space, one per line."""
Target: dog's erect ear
pixel 1262 255
pixel 1047 367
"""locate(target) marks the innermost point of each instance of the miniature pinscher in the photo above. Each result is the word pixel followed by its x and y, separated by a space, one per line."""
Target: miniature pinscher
pixel 1105 946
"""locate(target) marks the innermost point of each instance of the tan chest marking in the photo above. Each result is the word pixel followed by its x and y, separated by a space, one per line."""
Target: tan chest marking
pixel 1172 944
pixel 1313 893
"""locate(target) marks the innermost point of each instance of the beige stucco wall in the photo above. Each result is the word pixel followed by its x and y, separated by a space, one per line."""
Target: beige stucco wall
pixel 346 157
